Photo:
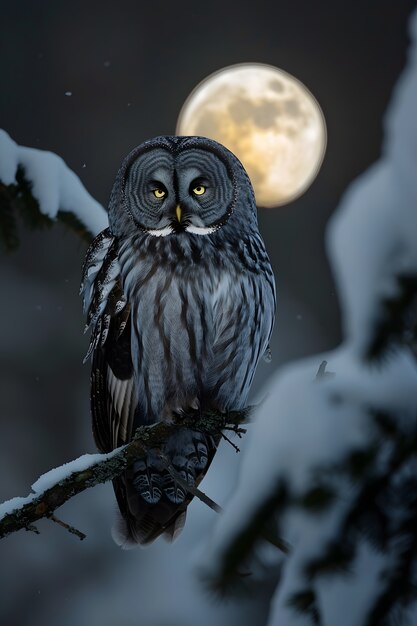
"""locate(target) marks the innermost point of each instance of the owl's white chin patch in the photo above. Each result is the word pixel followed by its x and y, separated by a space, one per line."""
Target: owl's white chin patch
pixel 161 232
pixel 195 230
pixel 201 230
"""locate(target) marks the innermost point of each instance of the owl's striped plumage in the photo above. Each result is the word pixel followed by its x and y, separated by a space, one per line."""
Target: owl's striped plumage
pixel 180 296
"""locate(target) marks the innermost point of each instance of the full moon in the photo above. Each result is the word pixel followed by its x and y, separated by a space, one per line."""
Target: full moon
pixel 268 119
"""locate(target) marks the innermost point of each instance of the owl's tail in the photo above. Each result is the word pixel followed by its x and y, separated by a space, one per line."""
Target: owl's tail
pixel 151 501
pixel 128 532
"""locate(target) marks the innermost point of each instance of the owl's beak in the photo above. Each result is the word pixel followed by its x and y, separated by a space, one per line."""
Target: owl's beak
pixel 178 212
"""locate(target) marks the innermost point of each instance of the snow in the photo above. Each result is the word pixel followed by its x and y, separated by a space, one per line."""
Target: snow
pixel 15 503
pixel 54 185
pixel 306 424
pixel 372 235
pixel 346 599
pixel 58 474
pixel 53 477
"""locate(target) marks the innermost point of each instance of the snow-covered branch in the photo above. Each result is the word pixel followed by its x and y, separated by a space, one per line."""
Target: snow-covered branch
pixel 38 186
pixel 57 486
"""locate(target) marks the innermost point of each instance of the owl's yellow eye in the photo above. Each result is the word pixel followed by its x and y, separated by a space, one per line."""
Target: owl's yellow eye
pixel 159 193
pixel 199 190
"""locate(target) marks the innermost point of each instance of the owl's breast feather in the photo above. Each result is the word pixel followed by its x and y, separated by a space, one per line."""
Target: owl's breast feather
pixel 200 320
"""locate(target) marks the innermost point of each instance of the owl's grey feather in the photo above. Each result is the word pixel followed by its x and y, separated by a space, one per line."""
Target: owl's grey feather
pixel 180 315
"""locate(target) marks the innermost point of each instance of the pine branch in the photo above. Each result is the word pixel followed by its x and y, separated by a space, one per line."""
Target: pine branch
pixel 305 602
pixel 17 202
pixel 108 466
pixel 383 512
pixel 397 321
pixel 259 526
pixel 399 588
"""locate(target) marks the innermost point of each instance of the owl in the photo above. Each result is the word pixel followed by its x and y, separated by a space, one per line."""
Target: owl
pixel 180 298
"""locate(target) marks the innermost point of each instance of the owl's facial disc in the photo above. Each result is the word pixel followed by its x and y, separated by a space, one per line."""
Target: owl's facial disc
pixel 166 194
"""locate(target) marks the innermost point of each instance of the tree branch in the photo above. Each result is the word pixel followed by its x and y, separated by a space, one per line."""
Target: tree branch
pixel 18 201
pixel 62 484
pixel 195 491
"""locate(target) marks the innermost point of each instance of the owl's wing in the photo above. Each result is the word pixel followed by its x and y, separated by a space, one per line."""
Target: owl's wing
pixel 244 312
pixel 113 400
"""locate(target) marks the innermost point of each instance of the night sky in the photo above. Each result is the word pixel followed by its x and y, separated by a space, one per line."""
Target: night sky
pixel 129 67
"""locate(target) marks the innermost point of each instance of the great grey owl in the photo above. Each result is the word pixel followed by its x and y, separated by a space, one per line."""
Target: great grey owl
pixel 180 297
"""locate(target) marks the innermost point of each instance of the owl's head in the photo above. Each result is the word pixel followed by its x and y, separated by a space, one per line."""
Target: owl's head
pixel 172 185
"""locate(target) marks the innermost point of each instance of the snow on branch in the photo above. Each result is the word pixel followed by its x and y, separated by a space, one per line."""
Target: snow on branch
pixel 40 187
pixel 57 486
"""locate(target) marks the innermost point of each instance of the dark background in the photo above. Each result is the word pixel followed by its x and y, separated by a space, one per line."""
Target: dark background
pixel 129 67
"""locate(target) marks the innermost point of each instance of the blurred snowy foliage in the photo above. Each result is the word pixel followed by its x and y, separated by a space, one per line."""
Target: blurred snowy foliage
pixel 39 187
pixel 331 462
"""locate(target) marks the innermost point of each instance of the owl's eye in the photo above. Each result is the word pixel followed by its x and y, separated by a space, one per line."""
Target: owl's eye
pixel 199 190
pixel 159 193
